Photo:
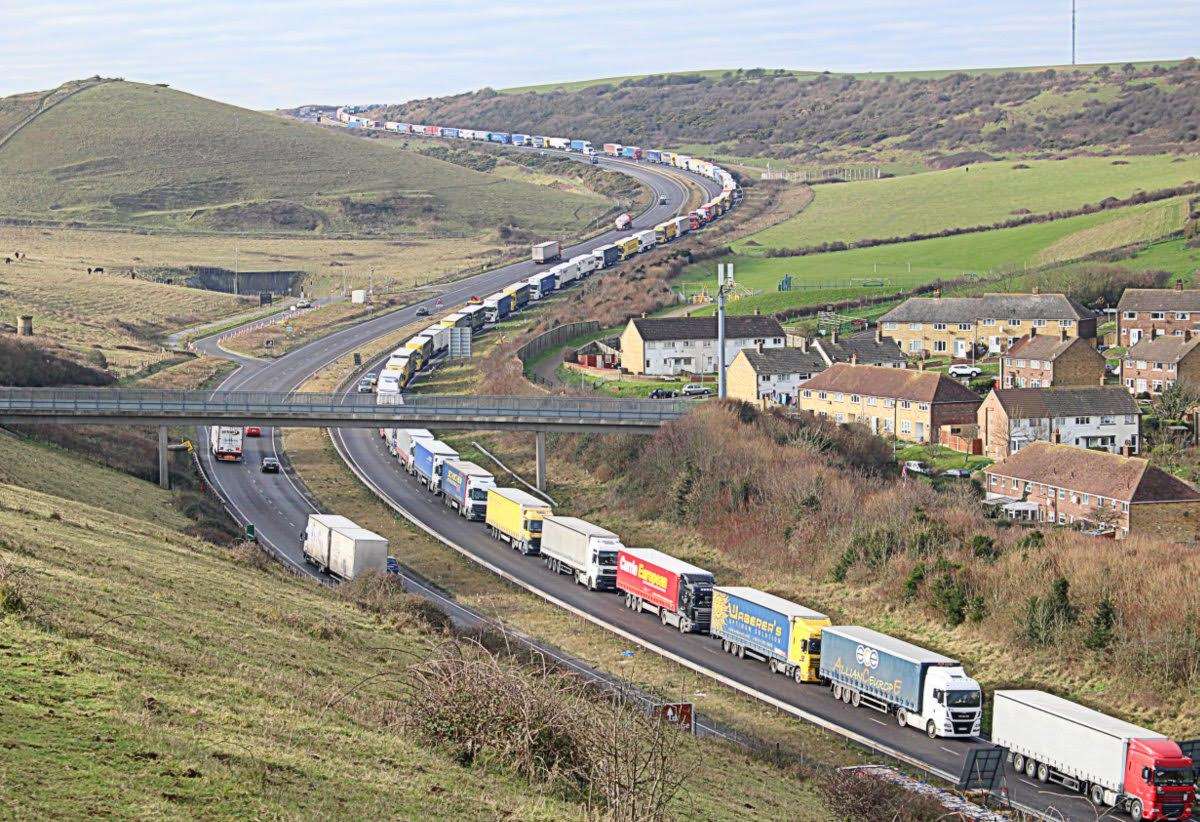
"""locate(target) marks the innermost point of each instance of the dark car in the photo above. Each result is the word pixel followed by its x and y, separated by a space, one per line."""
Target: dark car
pixel 422 312
pixel 663 394
pixel 958 472
pixel 269 465
pixel 393 565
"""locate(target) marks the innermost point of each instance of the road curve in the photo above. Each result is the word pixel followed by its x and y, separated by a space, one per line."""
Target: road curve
pixel 279 507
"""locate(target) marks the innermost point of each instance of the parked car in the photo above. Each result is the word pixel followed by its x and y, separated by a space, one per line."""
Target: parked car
pixel 299 304
pixel 962 369
pixel 422 311
pixel 695 389
pixel 916 467
pixel 663 394
pixel 957 472
pixel 269 465
pixel 253 431
pixel 1115 368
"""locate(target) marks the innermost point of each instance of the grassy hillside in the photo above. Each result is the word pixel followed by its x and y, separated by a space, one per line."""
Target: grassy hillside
pixel 127 153
pixel 772 113
pixel 824 278
pixel 980 194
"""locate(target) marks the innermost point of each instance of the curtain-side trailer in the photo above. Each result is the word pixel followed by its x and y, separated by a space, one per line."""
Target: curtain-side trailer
pixel 784 634
pixel 679 592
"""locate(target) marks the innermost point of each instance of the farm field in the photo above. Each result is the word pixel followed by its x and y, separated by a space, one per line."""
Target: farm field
pixel 160 158
pixel 978 195
pixel 822 278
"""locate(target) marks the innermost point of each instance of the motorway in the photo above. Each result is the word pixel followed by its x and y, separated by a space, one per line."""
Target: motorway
pixel 278 505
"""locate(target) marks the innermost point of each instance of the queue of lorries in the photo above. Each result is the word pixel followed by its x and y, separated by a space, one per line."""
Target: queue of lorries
pixel 1050 739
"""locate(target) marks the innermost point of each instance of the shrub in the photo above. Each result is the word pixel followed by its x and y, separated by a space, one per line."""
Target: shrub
pixel 984 547
pixel 912 583
pixel 13 590
pixel 949 596
pixel 854 794
pixel 1100 632
pixel 1047 617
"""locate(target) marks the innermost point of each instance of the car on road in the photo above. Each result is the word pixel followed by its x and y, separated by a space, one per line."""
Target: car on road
pixel 252 431
pixel 299 304
pixel 957 472
pixel 663 394
pixel 917 467
pixel 662 199
pixel 695 389
pixel 269 465
pixel 366 386
pixel 422 311
pixel 393 565
pixel 962 369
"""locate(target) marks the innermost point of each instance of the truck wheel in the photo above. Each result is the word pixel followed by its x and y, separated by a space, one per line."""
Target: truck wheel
pixel 799 676
pixel 931 729
pixel 902 717
pixel 725 645
pixel 685 627
pixel 741 652
pixel 1135 810
pixel 1030 768
pixel 855 699
pixel 837 691
pixel 662 617
pixel 1097 794
pixel 1018 763
pixel 1043 772
pixel 847 695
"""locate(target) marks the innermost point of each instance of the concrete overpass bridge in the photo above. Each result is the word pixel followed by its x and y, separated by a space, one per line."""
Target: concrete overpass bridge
pixel 120 406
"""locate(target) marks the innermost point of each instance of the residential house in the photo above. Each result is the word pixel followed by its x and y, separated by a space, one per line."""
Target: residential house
pixel 1066 485
pixel 1093 417
pixel 1156 362
pixel 667 346
pixel 774 374
pixel 1050 361
pixel 959 326
pixel 1151 312
pixel 912 405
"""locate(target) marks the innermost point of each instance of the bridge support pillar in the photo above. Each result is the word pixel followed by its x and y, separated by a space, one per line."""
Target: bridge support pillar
pixel 164 475
pixel 539 439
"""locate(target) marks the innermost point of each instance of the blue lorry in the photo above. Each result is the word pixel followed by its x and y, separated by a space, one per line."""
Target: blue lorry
pixel 428 458
pixel 465 488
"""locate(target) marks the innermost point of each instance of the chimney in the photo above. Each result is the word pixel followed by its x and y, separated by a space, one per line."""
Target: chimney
pixel 25 325
pixel 804 344
pixel 759 346
pixel 879 332
pixel 1179 285
pixel 1064 335
pixel 1032 332
pixel 854 358
pixel 1056 437
pixel 833 337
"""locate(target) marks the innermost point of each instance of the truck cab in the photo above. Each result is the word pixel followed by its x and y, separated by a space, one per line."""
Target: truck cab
pixel 951 704
pixel 695 603
pixel 1159 781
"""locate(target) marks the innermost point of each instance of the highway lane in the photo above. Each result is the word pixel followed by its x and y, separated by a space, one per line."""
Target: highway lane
pixel 279 507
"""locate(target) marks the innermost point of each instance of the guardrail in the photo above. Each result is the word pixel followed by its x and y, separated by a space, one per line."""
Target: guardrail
pixel 148 406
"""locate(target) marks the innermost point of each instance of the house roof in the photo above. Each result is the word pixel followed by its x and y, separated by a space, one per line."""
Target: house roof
pixel 1166 348
pixel 1046 346
pixel 783 360
pixel 1042 403
pixel 897 383
pixel 869 350
pixel 705 328
pixel 989 306
pixel 1159 299
pixel 1130 479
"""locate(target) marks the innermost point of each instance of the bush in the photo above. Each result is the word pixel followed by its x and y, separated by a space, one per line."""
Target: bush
pixel 949 596
pixel 13 590
pixel 1100 633
pixel 1048 617
pixel 854 794
pixel 984 547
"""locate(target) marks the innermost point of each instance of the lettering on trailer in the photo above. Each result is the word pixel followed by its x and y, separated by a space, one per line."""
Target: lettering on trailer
pixel 755 623
pixel 452 480
pixel 866 678
pixel 650 577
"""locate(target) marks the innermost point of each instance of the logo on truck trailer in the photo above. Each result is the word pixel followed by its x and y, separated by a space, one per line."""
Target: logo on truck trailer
pixel 650 577
pixel 867 657
pixel 866 678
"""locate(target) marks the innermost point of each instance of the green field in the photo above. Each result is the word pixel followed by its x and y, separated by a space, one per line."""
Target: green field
pixel 984 194
pixel 133 154
pixel 883 269
pixel 925 74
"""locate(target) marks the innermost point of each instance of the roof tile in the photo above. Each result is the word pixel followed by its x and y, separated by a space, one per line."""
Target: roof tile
pixel 1130 479
pixel 899 383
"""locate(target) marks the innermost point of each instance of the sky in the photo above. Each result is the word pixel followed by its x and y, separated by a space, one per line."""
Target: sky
pixel 275 53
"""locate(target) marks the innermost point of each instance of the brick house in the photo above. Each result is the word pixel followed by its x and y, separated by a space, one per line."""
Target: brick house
pixel 957 326
pixel 912 405
pixel 1149 312
pixel 667 346
pixel 1010 419
pixel 1066 485
pixel 1051 361
pixel 1155 363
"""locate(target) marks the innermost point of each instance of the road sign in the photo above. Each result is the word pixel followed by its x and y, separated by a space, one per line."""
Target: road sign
pixel 677 713
pixel 982 769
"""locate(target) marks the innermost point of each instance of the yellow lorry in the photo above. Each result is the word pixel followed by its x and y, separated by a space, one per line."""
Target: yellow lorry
pixel 754 623
pixel 629 247
pixel 515 516
pixel 665 232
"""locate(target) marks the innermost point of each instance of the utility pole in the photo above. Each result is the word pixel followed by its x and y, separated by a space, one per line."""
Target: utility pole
pixel 724 288
pixel 236 268
pixel 1072 32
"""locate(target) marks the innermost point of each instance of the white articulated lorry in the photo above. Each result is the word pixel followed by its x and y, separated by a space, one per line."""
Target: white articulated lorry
pixel 588 552
pixel 921 688
pixel 1112 762
pixel 340 547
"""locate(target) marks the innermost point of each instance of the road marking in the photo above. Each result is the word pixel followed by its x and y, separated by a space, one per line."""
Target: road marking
pixel 880 721
pixel 950 750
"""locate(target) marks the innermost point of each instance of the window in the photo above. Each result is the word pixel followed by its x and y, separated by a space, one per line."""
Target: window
pixel 807 393
pixel 914 345
pixel 1158 366
pixel 890 326
pixel 1106 420
pixel 840 417
pixel 870 400
pixel 1131 315
pixel 1178 332
pixel 1181 315
pixel 1062 493
pixel 964 326
pixel 1170 368
pixel 1158 385
pixel 1062 519
pixel 888 402
pixel 995 479
pixel 1141 363
pixel 1084 500
pixel 855 398
pixel 939 346
pixel 1066 323
pixel 1035 363
pixel 1130 419
pixel 839 396
pixel 905 404
pixel 1156 315
pixel 1129 382
pixel 1124 506
pixel 1020 363
pixel 1013 482
pixel 939 326
pixel 923 406
pixel 989 322
pixel 822 396
pixel 905 426
pixel 1082 420
pixel 914 326
pixel 1008 361
pixel 1029 486
pixel 1038 323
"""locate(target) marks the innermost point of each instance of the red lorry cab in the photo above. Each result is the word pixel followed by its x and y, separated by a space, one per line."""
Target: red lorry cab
pixel 1159 776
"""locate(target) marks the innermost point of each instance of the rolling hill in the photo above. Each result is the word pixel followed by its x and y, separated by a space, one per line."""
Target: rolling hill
pixel 779 113
pixel 121 153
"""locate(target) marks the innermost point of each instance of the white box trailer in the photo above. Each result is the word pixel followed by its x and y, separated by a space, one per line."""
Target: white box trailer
pixel 340 547
pixel 547 251
pixel 646 239
pixel 585 264
pixel 404 440
pixel 440 336
pixel 1056 740
pixel 588 552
